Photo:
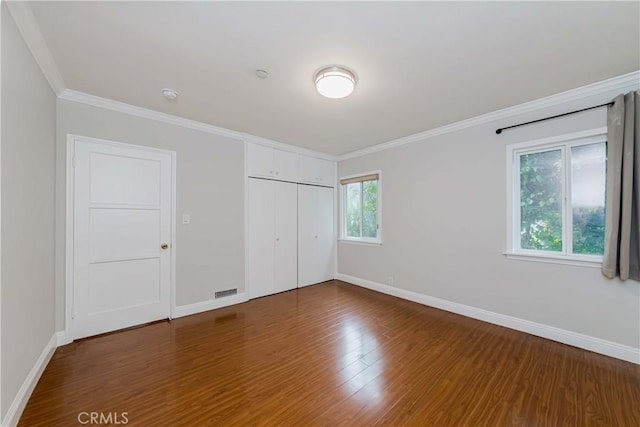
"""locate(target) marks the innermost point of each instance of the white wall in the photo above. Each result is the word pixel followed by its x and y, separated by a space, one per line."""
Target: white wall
pixel 28 173
pixel 210 187
pixel 444 231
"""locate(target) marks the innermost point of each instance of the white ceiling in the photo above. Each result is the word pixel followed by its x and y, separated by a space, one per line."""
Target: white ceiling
pixel 420 65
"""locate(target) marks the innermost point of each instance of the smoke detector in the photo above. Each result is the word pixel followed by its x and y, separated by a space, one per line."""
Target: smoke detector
pixel 170 94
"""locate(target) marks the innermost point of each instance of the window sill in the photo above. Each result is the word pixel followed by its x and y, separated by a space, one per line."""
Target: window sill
pixel 592 262
pixel 361 242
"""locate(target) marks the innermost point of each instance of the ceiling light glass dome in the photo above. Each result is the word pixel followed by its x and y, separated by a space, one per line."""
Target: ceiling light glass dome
pixel 335 82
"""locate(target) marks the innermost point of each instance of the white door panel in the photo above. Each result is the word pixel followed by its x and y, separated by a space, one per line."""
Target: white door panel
pixel 122 216
pixel 315 234
pixel 317 171
pixel 325 231
pixel 111 235
pixel 308 169
pixel 261 237
pixel 137 279
pixel 123 180
pixel 326 172
pixel 286 236
pixel 285 166
pixel 273 242
pixel 260 160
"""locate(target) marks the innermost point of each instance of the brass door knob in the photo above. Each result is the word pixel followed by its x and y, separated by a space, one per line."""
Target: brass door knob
pixel 164 246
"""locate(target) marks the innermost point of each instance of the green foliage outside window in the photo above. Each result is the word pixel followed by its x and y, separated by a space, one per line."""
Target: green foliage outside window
pixel 588 176
pixel 588 230
pixel 353 211
pixel 361 219
pixel 541 200
pixel 369 208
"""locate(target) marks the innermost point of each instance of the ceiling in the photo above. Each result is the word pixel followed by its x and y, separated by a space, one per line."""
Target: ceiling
pixel 420 65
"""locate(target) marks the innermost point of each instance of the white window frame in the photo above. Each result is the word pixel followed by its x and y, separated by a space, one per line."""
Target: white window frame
pixel 563 143
pixel 343 205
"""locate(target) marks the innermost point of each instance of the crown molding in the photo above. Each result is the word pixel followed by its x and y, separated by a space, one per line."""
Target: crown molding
pixel 622 82
pixel 121 107
pixel 287 147
pixel 30 30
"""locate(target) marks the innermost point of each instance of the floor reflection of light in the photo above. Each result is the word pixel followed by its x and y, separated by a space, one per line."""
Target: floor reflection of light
pixel 361 362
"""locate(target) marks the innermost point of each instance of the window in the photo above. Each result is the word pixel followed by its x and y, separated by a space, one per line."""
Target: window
pixel 557 190
pixel 361 208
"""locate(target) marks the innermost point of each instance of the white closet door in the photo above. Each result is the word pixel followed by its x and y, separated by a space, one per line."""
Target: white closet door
pixel 315 234
pixel 286 237
pixel 261 237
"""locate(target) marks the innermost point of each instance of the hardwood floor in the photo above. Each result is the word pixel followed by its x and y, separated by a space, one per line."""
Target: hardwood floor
pixel 332 354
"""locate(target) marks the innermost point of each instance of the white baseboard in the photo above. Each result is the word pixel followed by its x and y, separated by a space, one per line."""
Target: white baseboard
pixel 62 338
pixel 199 307
pixel 24 393
pixel 597 345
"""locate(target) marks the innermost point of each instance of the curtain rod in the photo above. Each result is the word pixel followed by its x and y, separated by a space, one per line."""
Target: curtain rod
pixel 499 131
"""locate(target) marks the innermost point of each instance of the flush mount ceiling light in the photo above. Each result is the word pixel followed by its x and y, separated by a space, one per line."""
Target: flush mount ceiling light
pixel 335 82
pixel 170 94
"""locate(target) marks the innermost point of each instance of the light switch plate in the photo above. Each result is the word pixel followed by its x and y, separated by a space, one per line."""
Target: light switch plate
pixel 186 219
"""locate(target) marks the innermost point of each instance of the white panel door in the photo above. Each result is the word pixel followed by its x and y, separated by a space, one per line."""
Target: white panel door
pixel 122 222
pixel 261 237
pixel 316 240
pixel 286 237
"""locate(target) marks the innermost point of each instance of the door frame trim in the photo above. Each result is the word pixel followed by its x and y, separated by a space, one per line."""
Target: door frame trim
pixel 247 289
pixel 69 225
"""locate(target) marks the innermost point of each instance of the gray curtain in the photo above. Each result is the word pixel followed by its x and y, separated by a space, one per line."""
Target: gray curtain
pixel 622 221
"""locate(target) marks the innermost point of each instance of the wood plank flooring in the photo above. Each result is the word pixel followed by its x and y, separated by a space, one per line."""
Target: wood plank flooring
pixel 332 354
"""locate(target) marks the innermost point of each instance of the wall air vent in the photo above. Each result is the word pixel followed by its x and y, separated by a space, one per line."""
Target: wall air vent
pixel 226 293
